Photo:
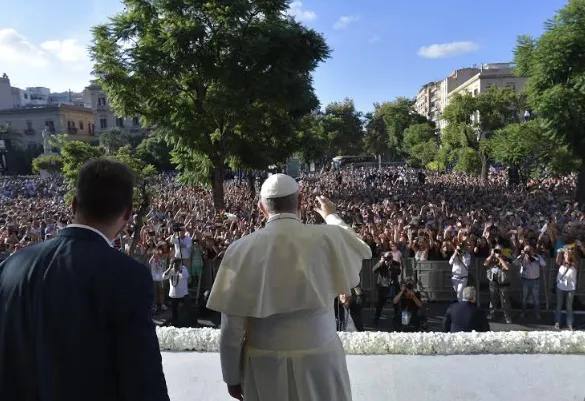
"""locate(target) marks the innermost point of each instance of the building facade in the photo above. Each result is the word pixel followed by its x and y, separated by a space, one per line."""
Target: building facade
pixel 10 97
pixel 104 117
pixel 78 122
pixel 425 103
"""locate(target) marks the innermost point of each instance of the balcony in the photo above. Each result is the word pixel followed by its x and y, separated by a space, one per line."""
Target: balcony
pixel 29 131
pixel 72 131
pixel 102 107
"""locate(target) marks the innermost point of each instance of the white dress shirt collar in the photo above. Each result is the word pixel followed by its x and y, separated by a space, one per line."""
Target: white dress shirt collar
pixel 91 229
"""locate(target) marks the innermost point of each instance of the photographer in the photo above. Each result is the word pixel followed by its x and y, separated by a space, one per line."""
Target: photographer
pixel 408 305
pixel 178 275
pixel 460 262
pixel 388 282
pixel 530 266
pixel 497 274
pixel 182 242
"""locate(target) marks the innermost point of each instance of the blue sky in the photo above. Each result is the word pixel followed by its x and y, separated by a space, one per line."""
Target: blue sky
pixel 381 48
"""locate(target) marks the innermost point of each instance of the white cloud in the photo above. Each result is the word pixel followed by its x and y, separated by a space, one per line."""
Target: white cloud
pixel 344 21
pixel 59 64
pixel 68 50
pixel 16 49
pixel 440 50
pixel 300 13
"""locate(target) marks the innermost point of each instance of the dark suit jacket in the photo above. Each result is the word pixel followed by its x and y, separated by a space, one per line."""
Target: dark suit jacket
pixel 75 324
pixel 465 316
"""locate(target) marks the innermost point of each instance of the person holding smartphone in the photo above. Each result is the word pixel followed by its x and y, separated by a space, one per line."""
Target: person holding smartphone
pixel 498 276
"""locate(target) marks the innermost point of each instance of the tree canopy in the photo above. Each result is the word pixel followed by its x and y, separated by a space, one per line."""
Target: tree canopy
pixel 211 77
pixel 420 143
pixel 555 64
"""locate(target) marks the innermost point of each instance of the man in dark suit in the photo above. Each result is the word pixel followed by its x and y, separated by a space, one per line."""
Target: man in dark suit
pixel 75 322
pixel 465 315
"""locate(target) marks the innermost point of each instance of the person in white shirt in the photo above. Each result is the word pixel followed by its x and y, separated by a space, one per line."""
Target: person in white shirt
pixel 183 243
pixel 566 285
pixel 178 276
pixel 157 268
pixel 460 262
pixel 275 288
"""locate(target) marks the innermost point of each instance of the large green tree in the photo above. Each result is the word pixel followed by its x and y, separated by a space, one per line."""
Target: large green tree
pixel 555 64
pixel 343 128
pixel 420 143
pixel 388 122
pixel 471 119
pixel 528 146
pixel 210 76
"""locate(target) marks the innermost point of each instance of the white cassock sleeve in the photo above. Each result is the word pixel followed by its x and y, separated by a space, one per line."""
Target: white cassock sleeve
pixel 230 347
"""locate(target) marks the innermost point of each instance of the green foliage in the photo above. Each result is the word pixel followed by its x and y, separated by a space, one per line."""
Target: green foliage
pixel 420 143
pixel 73 155
pixel 210 77
pixel 343 128
pixel 155 151
pixel 468 161
pixel 112 140
pixel 196 168
pixel 555 65
pixel 396 116
pixel 471 119
pixel 376 135
pixel 53 164
pixel 313 141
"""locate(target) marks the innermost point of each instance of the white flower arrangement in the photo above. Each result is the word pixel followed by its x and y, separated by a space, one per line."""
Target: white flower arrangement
pixel 380 343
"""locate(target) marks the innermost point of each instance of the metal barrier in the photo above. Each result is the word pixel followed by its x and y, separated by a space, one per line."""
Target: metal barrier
pixel 434 281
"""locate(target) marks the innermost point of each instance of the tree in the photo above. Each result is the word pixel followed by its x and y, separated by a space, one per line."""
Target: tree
pixel 420 143
pixel 205 75
pixel 342 125
pixel 528 147
pixel 155 151
pixel 555 65
pixel 471 119
pixel 53 164
pixel 314 144
pixel 112 140
pixel 75 154
pixel 376 135
pixel 397 116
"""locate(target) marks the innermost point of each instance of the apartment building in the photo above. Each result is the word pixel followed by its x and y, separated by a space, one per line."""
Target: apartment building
pixel 425 102
pixel 104 117
pixel 78 122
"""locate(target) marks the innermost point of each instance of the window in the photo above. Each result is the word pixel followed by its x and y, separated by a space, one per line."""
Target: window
pixel 25 96
pixel 101 101
pixel 103 123
pixel 51 125
pixel 70 124
pixel 135 121
pixel 29 124
pixel 475 92
pixel 120 122
pixel 81 125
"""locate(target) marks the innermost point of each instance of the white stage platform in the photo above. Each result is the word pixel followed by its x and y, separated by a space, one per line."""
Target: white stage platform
pixel 197 376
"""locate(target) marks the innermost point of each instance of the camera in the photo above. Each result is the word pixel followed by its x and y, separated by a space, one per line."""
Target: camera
pixel 177 227
pixel 497 251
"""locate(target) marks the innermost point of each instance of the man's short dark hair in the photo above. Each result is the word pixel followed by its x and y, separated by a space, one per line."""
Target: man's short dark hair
pixel 104 190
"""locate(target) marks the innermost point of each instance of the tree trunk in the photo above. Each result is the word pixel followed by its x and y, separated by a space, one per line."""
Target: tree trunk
pixel 217 186
pixel 484 167
pixel 580 192
pixel 140 216
pixel 251 183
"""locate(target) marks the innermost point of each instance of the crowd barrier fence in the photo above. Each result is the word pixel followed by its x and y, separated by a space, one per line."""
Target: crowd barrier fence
pixel 433 280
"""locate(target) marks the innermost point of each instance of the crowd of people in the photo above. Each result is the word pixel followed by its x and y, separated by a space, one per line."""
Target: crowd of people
pixel 439 216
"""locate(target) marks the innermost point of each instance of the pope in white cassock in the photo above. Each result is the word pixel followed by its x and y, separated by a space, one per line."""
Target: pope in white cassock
pixel 275 290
